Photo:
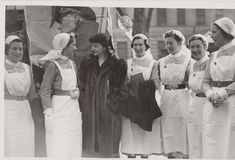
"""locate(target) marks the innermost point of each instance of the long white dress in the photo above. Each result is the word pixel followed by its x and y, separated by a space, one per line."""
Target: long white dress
pixel 18 124
pixel 219 131
pixel 195 110
pixel 175 102
pixel 136 140
pixel 64 126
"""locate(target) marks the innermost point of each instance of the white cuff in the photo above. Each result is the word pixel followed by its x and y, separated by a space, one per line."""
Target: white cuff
pixel 48 112
pixel 209 93
pixel 223 93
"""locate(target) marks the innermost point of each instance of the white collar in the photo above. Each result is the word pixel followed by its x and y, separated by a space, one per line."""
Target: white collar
pixel 203 59
pixel 12 63
pixel 178 54
pixel 147 55
pixel 228 45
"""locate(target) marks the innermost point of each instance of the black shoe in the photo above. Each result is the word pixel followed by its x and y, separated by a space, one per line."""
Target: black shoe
pixel 144 156
pixel 131 156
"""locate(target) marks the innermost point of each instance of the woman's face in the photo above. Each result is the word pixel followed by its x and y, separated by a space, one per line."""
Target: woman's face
pixel 97 49
pixel 172 45
pixel 197 49
pixel 139 47
pixel 217 36
pixel 69 49
pixel 15 52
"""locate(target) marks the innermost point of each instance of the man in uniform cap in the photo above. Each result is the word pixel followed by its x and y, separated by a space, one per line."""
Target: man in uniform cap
pixel 82 21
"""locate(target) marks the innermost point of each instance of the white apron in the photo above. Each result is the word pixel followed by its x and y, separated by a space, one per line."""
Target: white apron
pixel 136 140
pixel 174 105
pixel 63 127
pixel 194 115
pixel 219 131
pixel 19 125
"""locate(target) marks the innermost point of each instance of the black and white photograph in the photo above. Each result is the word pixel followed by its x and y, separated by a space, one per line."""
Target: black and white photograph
pixel 118 80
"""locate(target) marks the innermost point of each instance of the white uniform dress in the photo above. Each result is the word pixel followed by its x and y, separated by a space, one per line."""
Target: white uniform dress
pixel 219 133
pixel 19 125
pixel 198 100
pixel 175 102
pixel 136 140
pixel 64 126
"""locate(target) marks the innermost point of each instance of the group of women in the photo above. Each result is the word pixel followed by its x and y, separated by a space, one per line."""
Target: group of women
pixel 96 111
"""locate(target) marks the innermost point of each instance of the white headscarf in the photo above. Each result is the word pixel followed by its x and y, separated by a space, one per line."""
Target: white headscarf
pixel 59 42
pixel 11 38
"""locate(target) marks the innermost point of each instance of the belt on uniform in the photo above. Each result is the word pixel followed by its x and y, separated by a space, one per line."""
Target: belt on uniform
pixel 17 98
pixel 179 86
pixel 200 94
pixel 61 92
pixel 221 83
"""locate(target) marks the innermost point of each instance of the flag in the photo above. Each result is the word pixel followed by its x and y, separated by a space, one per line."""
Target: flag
pixel 38 20
pixel 105 21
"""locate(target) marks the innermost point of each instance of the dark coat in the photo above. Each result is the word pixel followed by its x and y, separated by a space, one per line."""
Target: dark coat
pixel 137 102
pixel 101 126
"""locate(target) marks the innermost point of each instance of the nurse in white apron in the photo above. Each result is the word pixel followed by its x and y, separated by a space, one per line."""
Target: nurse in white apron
pixel 62 113
pixel 135 140
pixel 19 90
pixel 219 87
pixel 198 45
pixel 174 70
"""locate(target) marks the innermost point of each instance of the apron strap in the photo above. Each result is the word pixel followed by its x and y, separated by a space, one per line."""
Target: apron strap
pixel 59 67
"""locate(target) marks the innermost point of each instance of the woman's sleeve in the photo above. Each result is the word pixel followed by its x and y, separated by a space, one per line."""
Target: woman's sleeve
pixel 47 84
pixel 32 92
pixel 155 75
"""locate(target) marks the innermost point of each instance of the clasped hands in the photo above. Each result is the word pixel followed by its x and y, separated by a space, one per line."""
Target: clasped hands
pixel 217 96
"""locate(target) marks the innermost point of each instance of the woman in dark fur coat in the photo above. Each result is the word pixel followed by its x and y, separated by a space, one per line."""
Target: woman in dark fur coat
pixel 101 73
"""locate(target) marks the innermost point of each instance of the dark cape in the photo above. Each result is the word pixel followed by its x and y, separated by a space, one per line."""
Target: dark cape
pixel 137 102
pixel 101 126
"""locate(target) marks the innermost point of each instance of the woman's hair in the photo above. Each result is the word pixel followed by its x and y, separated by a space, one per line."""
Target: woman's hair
pixel 7 46
pixel 71 40
pixel 105 40
pixel 177 35
pixel 146 43
pixel 225 34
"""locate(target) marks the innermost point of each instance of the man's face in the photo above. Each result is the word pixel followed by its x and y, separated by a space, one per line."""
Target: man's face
pixel 68 23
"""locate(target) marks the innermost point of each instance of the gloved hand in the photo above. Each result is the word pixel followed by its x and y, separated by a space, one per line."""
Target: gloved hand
pixel 216 100
pixel 209 94
pixel 222 93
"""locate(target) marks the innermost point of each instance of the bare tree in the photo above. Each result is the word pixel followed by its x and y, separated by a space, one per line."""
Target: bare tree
pixel 142 19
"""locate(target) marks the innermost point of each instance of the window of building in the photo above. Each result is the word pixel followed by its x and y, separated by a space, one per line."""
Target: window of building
pixel 219 13
pixel 181 16
pixel 200 17
pixel 122 49
pixel 161 16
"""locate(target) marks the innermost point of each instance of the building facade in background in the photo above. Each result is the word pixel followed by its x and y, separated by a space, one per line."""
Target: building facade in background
pixel 188 21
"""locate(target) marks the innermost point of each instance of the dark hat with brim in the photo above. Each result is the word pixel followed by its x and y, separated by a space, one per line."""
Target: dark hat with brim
pixel 85 12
